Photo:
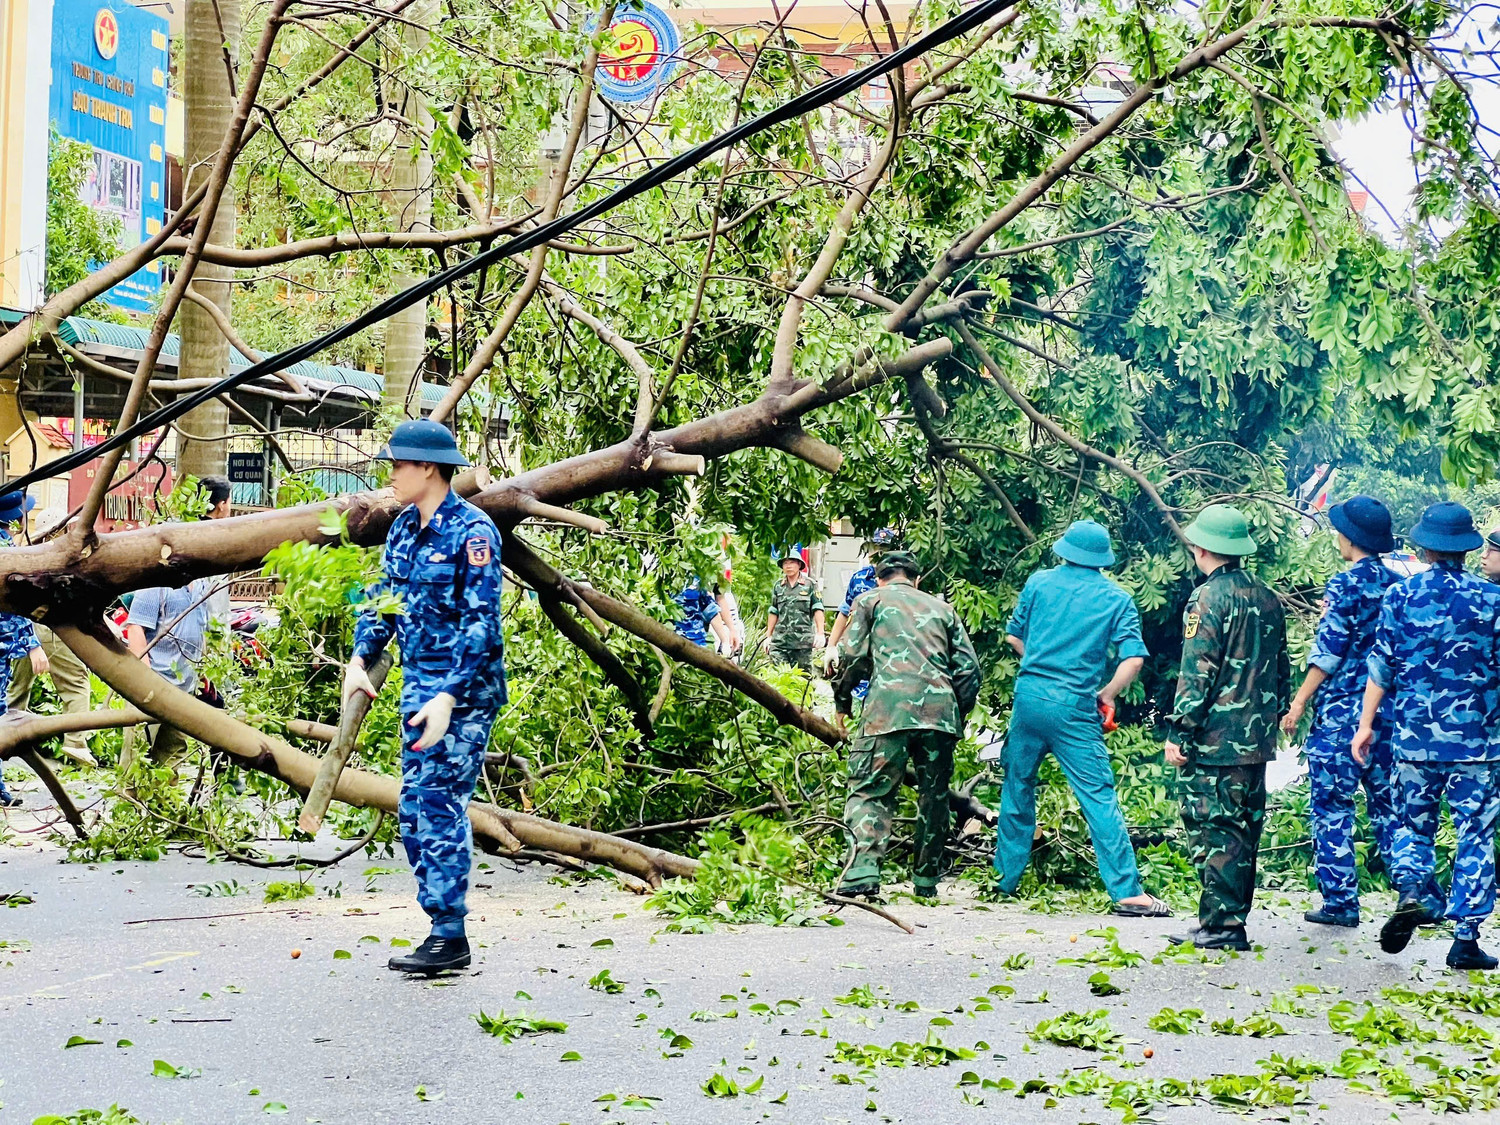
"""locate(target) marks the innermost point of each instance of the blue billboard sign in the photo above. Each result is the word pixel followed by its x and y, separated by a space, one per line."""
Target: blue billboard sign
pixel 109 90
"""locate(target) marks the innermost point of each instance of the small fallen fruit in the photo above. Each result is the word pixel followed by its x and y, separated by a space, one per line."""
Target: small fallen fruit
pixel 296 953
pixel 1148 1052
pixel 1073 938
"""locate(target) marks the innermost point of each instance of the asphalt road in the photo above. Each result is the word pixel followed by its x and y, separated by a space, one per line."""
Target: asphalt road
pixel 132 955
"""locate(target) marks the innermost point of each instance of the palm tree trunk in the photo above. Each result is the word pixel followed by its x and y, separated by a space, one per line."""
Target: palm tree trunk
pixel 411 209
pixel 202 447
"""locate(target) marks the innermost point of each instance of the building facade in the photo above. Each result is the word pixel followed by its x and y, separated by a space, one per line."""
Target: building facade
pixel 95 71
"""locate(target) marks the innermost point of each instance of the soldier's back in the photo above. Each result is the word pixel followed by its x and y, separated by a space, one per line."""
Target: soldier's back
pixel 1439 649
pixel 911 661
pixel 1248 683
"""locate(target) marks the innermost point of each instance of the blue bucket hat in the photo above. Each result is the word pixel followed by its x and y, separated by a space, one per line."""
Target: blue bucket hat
pixel 13 505
pixel 1085 543
pixel 1446 526
pixel 1365 522
pixel 422 440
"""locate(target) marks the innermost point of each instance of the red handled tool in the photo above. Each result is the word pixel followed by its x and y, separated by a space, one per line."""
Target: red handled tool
pixel 1107 713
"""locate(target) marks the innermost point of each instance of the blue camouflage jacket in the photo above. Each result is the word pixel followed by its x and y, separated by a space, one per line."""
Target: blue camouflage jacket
pixel 1437 652
pixel 698 609
pixel 448 577
pixel 861 580
pixel 1341 648
pixel 17 636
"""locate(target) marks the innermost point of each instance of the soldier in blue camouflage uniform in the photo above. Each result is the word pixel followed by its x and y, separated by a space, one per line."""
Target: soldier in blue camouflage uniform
pixel 442 558
pixel 700 614
pixel 1437 654
pixel 1233 686
pixel 17 635
pixel 860 582
pixel 924 679
pixel 1336 674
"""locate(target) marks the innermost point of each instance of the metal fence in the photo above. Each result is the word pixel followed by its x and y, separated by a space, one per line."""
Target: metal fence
pixel 333 460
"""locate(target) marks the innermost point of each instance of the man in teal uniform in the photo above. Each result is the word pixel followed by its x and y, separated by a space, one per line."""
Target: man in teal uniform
pixel 1066 625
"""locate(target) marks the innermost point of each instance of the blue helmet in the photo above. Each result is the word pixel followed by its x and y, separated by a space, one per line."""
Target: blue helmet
pixel 13 505
pixel 422 440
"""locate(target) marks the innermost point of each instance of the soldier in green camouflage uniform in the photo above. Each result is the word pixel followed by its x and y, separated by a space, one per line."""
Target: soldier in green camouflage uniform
pixel 1234 684
pixel 924 678
pixel 795 625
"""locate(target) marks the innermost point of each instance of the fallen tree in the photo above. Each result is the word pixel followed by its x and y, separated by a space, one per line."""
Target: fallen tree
pixel 746 348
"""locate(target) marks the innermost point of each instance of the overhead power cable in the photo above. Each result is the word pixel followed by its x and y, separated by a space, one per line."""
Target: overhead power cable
pixel 812 99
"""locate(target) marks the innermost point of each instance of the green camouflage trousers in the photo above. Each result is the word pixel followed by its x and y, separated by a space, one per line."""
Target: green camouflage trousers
pixel 798 656
pixel 1223 809
pixel 877 765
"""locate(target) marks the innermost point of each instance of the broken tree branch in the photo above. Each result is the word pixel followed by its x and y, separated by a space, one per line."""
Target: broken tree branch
pixel 346 736
pixel 102 651
pixel 526 563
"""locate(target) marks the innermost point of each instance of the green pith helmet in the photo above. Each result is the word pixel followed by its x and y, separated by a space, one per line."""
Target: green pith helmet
pixel 1222 529
pixel 897 560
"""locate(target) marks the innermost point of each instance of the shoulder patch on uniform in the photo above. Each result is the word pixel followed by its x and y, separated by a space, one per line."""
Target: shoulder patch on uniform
pixel 1190 626
pixel 479 550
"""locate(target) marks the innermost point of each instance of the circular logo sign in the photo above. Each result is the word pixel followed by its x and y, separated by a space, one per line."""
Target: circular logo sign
pixel 639 54
pixel 106 33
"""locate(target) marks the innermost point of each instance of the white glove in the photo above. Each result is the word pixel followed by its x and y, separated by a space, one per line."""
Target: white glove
pixel 435 713
pixel 357 679
pixel 830 658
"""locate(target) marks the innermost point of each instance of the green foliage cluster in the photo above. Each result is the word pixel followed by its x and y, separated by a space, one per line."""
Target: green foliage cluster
pixel 79 237
pixel 508 1028
pixel 931 1051
pixel 741 882
pixel 1090 1031
pixel 114 1115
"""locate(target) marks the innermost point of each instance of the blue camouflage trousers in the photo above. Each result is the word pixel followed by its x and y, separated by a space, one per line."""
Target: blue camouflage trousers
pixel 1473 793
pixel 436 785
pixel 1335 777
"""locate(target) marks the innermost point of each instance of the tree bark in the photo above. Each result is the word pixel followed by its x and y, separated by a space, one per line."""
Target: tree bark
pixel 352 717
pixel 211 29
pixel 494 828
pixel 53 582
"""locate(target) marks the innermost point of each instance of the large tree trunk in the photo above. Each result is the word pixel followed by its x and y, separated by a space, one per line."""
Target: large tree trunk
pixel 209 106
pixel 411 210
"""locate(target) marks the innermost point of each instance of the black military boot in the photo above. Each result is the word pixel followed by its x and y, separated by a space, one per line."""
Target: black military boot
pixel 435 955
pixel 928 893
pixel 870 892
pixel 1397 931
pixel 1231 937
pixel 1325 917
pixel 1466 954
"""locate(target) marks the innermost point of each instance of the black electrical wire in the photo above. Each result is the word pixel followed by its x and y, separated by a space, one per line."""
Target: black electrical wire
pixel 815 98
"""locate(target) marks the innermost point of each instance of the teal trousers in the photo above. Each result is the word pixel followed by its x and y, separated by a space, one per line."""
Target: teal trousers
pixel 1073 733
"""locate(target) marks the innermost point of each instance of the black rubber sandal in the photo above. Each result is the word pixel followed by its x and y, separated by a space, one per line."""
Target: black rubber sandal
pixel 1155 909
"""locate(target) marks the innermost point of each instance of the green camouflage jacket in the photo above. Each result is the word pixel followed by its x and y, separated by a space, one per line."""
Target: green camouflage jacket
pixel 912 648
pixel 794 607
pixel 1236 679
